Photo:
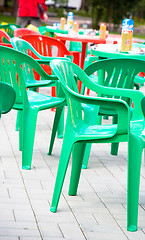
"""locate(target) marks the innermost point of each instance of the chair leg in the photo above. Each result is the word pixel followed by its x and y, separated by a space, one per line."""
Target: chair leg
pixel 17 121
pixel 114 149
pixel 86 155
pixel 29 127
pixel 114 146
pixel 55 126
pixel 62 167
pixel 90 116
pixel 20 127
pixel 134 165
pixel 77 158
pixel 60 127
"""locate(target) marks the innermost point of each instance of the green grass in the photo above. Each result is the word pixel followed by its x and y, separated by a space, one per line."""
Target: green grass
pixel 7 18
pixel 139 36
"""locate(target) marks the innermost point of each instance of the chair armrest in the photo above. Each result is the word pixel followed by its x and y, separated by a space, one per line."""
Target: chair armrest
pixel 120 106
pixel 89 60
pixel 135 95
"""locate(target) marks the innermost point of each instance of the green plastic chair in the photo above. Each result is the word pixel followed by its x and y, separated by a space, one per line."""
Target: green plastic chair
pixel 9 28
pixel 116 81
pixel 19 32
pixel 17 70
pixel 116 73
pixel 78 132
pixel 25 47
pixel 7 98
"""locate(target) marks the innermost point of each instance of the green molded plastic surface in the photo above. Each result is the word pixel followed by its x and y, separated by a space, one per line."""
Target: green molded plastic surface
pixel 45 45
pixel 9 28
pixel 17 70
pixel 7 97
pixel 25 47
pixel 78 132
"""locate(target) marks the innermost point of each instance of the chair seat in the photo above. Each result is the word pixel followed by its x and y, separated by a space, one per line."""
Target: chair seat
pixel 86 131
pixel 40 83
pixel 43 101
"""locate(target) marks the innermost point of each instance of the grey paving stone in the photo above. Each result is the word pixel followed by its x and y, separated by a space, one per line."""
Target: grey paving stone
pixel 97 212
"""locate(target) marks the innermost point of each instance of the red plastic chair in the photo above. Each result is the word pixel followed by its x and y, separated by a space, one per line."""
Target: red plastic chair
pixel 51 47
pixel 19 32
pixel 4 36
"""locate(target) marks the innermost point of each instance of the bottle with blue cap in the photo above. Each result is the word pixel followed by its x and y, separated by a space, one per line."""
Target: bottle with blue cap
pixel 70 16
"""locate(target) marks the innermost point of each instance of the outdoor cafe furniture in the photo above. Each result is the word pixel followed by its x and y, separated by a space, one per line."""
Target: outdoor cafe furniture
pixel 17 70
pixel 114 52
pixel 78 132
pixel 25 47
pixel 9 28
pixel 44 45
pixel 5 39
pixel 84 39
pixel 4 36
pixel 51 30
pixel 7 97
pixel 115 73
pixel 48 46
pixel 19 32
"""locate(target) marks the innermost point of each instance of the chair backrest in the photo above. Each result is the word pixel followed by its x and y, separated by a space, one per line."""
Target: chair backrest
pixel 7 97
pixel 47 46
pixel 9 28
pixel 19 32
pixel 69 73
pixel 116 73
pixel 25 47
pixel 4 37
pixel 16 69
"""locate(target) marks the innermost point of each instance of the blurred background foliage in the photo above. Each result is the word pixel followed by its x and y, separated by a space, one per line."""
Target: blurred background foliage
pixel 111 12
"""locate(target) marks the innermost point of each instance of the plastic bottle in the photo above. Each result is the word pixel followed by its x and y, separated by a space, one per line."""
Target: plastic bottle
pixel 130 35
pixel 125 41
pixel 128 25
pixel 102 30
pixel 62 23
pixel 76 27
pixel 70 19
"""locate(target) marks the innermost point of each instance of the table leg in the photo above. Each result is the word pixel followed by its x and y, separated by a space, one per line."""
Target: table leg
pixel 82 61
pixel 83 54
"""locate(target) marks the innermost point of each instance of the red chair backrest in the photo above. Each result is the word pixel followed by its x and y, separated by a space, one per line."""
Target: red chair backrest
pixel 44 45
pixel 19 32
pixel 4 35
pixel 48 46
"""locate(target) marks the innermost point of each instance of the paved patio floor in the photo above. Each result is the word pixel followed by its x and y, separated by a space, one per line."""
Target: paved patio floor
pixel 98 212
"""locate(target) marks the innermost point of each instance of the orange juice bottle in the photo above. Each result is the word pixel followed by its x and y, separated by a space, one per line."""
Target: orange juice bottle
pixel 125 41
pixel 62 23
pixel 102 30
pixel 130 35
pixel 76 27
